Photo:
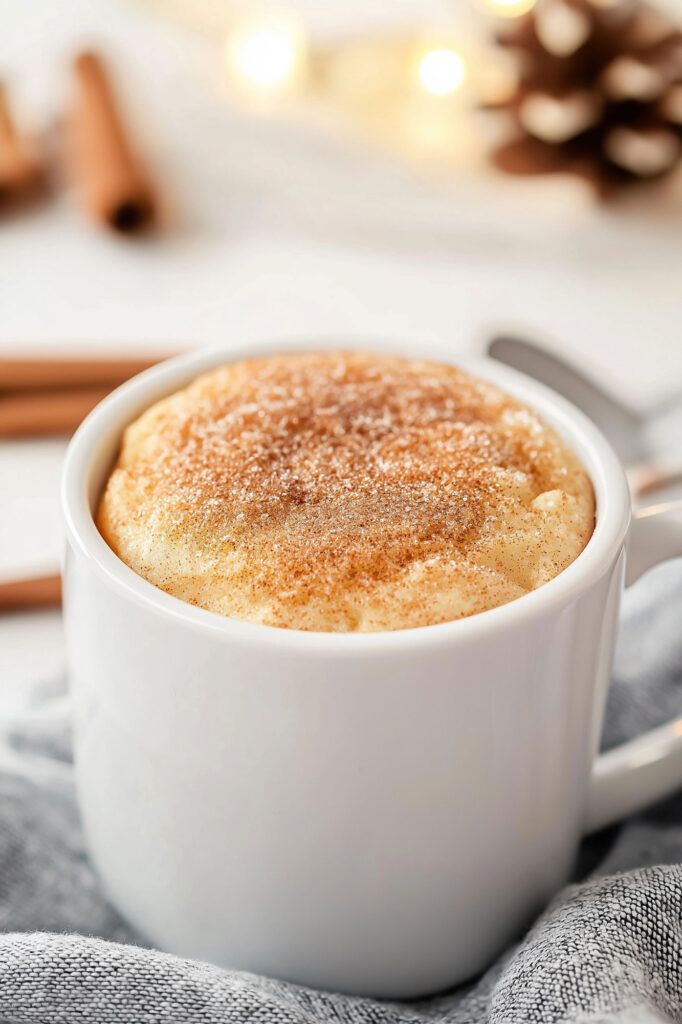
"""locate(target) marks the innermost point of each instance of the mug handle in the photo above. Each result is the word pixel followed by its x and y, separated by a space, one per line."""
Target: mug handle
pixel 649 767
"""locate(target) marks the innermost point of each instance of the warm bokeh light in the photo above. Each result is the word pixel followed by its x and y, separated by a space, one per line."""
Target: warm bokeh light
pixel 266 56
pixel 509 8
pixel 441 71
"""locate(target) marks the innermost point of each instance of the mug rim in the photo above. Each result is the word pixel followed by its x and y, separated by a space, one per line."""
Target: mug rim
pixel 112 415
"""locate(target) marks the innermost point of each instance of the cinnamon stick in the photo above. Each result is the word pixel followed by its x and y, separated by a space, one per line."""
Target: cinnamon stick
pixel 37 374
pixel 20 171
pixel 113 185
pixel 44 413
pixel 23 595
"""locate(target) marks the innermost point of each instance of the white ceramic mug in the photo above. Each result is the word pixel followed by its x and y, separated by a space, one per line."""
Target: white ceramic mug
pixel 371 813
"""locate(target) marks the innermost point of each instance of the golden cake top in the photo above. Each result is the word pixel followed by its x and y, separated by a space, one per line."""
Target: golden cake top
pixel 345 491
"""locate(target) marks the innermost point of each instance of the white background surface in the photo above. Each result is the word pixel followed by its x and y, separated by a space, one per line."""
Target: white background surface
pixel 275 230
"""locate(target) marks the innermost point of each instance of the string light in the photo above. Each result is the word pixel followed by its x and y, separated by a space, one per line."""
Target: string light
pixel 399 90
pixel 265 57
pixel 441 72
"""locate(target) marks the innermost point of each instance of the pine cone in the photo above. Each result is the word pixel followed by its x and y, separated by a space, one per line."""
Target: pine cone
pixel 599 92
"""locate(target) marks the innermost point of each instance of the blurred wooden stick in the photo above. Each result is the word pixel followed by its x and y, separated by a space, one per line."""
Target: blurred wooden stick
pixel 45 413
pixel 47 374
pixel 20 171
pixel 23 595
pixel 114 188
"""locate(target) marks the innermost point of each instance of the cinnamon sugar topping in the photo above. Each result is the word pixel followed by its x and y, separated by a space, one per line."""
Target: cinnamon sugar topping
pixel 345 491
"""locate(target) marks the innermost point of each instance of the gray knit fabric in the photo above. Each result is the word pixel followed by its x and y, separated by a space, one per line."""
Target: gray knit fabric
pixel 608 950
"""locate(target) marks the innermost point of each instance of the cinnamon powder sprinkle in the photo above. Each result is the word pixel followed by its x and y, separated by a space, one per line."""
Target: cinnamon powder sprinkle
pixel 345 491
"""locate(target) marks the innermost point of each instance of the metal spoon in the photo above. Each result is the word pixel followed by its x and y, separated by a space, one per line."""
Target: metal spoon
pixel 647 443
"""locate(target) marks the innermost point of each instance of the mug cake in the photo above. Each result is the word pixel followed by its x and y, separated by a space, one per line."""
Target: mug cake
pixel 345 492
